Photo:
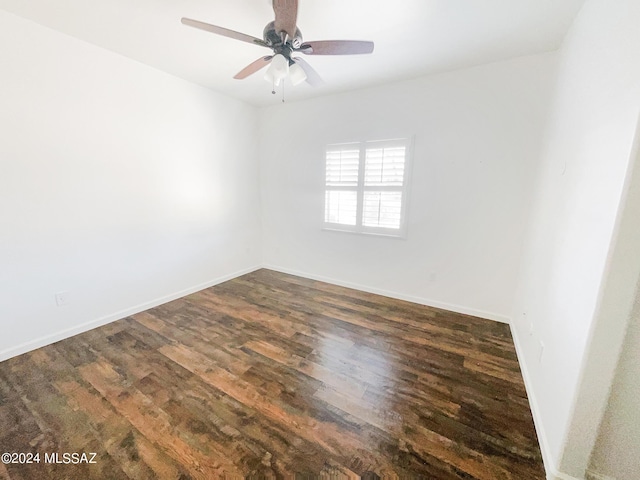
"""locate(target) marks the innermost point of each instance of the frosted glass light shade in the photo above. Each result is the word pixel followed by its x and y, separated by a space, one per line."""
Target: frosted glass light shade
pixel 296 74
pixel 278 69
pixel 268 76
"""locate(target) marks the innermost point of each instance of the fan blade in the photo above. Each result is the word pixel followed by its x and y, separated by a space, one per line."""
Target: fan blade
pixel 313 78
pixel 336 47
pixel 286 16
pixel 253 67
pixel 225 32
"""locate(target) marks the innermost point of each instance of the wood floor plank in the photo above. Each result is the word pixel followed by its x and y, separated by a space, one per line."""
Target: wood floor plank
pixel 156 425
pixel 275 376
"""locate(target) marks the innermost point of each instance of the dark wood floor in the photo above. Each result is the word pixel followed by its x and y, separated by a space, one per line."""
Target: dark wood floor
pixel 275 376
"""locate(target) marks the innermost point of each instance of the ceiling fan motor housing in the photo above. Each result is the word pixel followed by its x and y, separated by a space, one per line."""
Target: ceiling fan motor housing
pixel 274 39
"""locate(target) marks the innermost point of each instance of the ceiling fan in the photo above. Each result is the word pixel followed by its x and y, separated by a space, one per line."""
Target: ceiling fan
pixel 284 38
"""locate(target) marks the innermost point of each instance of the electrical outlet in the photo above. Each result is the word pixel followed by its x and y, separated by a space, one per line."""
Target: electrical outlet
pixel 62 298
pixel 540 350
pixel 530 329
pixel 433 276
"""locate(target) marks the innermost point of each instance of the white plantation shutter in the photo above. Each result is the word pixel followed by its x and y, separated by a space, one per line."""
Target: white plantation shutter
pixel 382 209
pixel 342 166
pixel 384 166
pixel 342 174
pixel 341 207
pixel 383 184
pixel 365 186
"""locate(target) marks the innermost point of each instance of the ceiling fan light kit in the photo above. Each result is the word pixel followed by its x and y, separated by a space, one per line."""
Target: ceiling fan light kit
pixel 296 74
pixel 278 69
pixel 284 38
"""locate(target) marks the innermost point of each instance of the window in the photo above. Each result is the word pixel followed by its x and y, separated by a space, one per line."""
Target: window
pixel 365 187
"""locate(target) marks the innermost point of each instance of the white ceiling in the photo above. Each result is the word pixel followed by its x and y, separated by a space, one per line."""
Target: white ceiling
pixel 412 37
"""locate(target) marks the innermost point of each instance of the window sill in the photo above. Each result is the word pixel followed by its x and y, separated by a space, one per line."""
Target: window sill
pixel 399 236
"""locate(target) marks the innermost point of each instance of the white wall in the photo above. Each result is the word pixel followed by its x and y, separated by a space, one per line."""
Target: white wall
pixel 616 450
pixel 606 336
pixel 477 135
pixel 119 184
pixel 584 166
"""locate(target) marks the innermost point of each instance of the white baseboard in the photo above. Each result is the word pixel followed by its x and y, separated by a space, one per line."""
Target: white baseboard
pixel 387 293
pixel 84 327
pixel 597 476
pixel 549 464
pixel 69 332
pixel 556 475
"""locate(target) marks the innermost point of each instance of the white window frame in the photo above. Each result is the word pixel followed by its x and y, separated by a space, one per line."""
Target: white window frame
pixel 360 188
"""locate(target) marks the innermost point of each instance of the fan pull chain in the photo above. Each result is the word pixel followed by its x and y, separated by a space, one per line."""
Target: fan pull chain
pixel 273 89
